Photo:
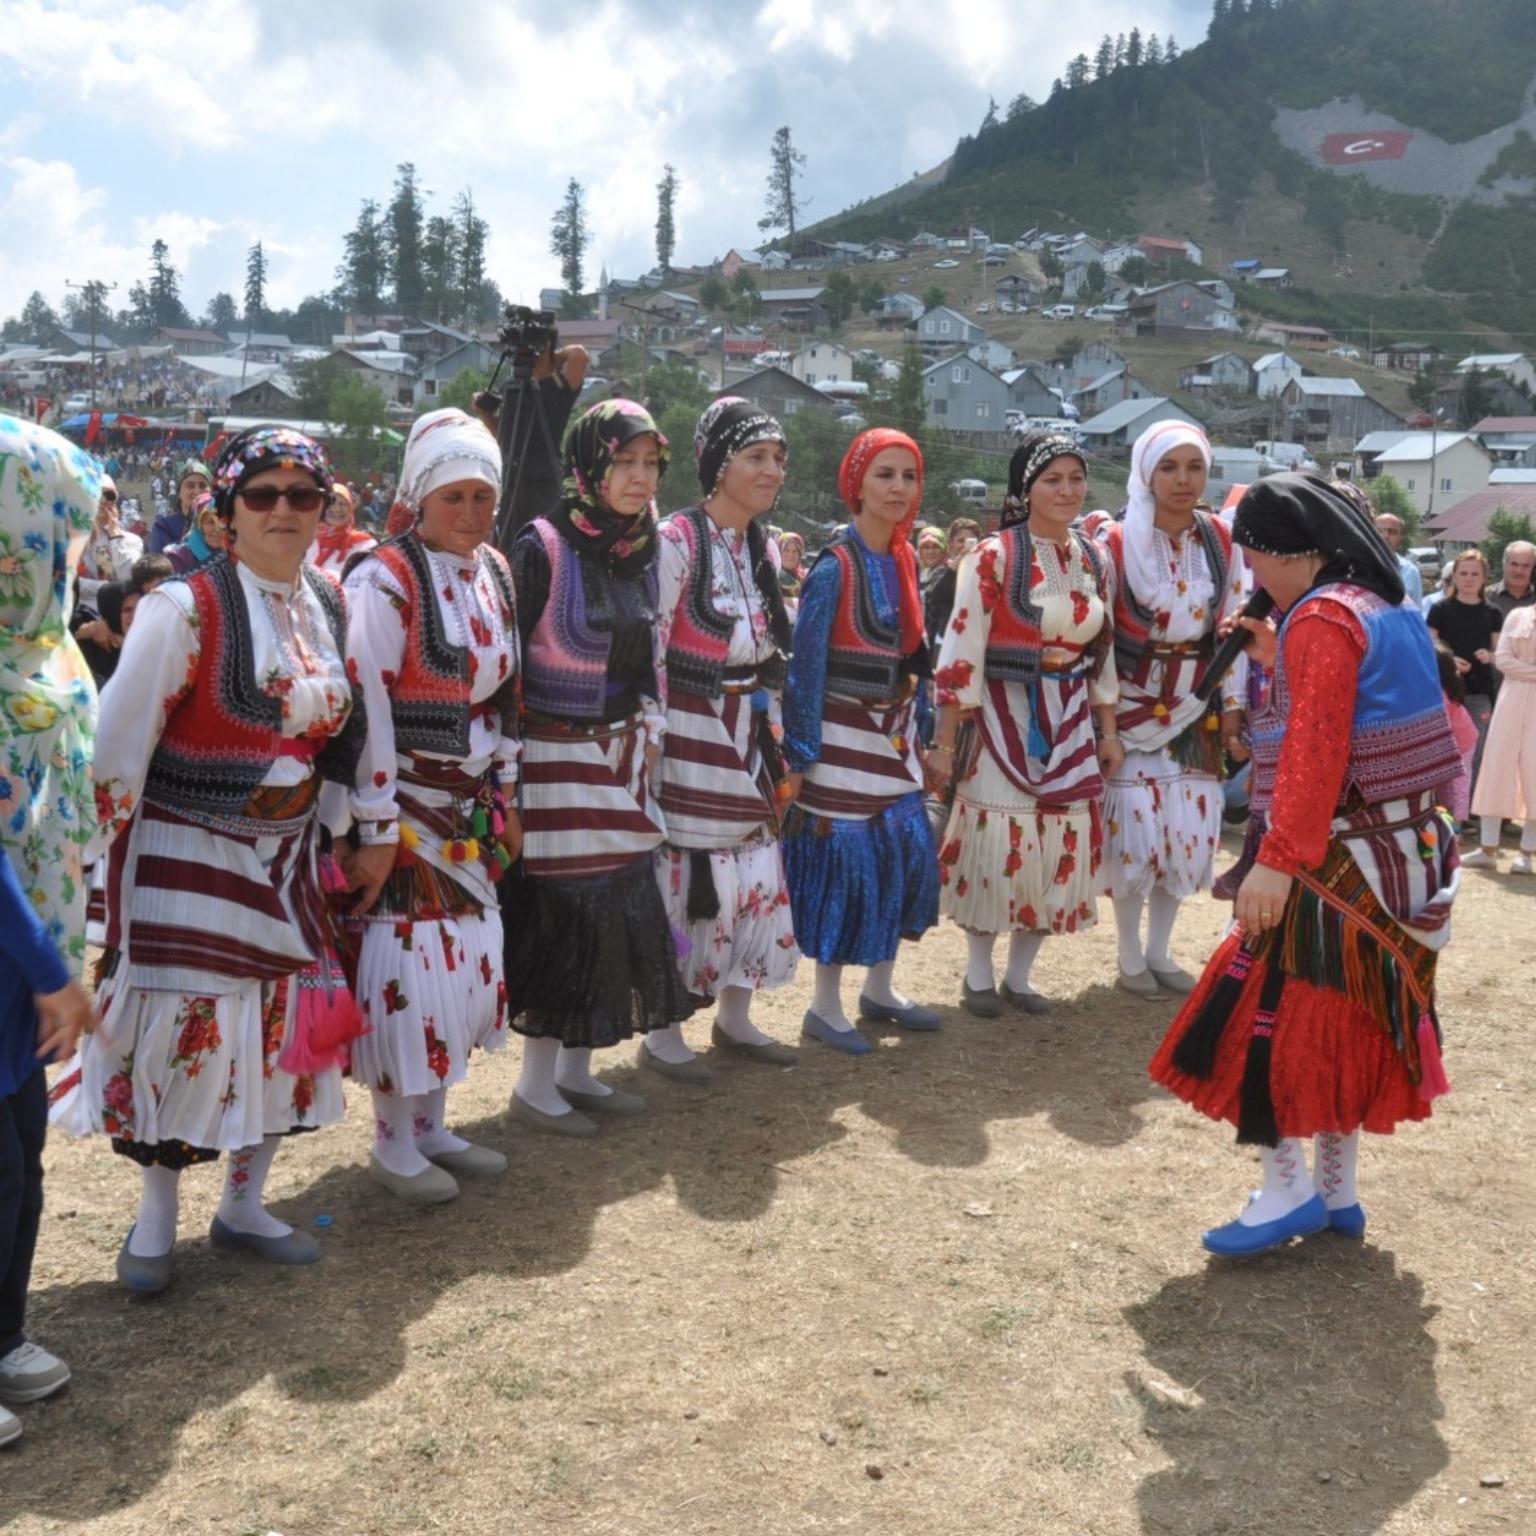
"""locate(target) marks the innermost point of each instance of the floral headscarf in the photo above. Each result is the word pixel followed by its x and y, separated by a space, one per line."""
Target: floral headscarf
pixel 583 518
pixel 48 495
pixel 263 448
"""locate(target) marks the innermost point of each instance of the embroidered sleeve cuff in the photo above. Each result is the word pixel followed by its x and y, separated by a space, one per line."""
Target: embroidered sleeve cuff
pixel 1276 852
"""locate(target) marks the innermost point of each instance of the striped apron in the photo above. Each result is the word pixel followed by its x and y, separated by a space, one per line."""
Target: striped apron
pixel 714 788
pixel 868 758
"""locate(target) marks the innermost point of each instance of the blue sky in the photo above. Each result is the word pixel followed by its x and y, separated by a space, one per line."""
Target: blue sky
pixel 212 123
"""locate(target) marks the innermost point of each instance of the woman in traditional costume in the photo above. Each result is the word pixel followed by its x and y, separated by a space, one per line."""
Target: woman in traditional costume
pixel 1174 579
pixel 231 703
pixel 724 637
pixel 1025 664
pixel 434 644
pixel 590 954
pixel 339 538
pixel 858 848
pixel 1316 1016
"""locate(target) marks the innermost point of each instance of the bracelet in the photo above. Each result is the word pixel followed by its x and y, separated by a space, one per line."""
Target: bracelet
pixel 1109 735
pixel 936 747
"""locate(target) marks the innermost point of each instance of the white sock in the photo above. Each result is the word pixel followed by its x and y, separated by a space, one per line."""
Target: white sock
pixel 573 1070
pixel 668 1044
pixel 1022 951
pixel 431 1134
pixel 878 988
pixel 1128 934
pixel 241 1207
pixel 1162 912
pixel 394 1134
pixel 1492 830
pixel 827 997
pixel 154 1233
pixel 536 1084
pixel 1287 1183
pixel 1334 1159
pixel 978 961
pixel 735 1017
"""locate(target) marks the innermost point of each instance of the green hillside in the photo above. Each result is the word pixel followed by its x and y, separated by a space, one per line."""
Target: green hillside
pixel 1188 147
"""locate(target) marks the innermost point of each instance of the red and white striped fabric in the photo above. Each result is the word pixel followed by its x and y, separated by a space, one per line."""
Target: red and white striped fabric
pixel 1070 771
pixel 868 759
pixel 587 806
pixel 1410 855
pixel 713 787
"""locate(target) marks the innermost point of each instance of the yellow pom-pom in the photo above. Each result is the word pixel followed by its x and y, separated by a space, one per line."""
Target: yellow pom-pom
pixel 472 849
pixel 408 836
pixel 1212 723
pixel 1160 710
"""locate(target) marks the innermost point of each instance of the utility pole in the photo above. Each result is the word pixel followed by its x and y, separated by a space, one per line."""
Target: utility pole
pixel 94 291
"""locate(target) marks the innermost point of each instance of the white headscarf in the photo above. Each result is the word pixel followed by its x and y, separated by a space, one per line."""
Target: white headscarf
pixel 1150 580
pixel 444 447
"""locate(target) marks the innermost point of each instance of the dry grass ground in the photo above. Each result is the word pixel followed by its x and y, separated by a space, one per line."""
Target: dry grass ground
pixel 951 1288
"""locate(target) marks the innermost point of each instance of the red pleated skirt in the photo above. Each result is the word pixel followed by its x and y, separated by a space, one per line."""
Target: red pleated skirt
pixel 1333 1066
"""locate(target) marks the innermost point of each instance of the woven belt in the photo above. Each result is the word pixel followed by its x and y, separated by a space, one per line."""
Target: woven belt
pixel 545 728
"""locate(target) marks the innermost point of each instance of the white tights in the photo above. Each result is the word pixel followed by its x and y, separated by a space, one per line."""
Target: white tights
pixel 1493 832
pixel 548 1067
pixel 1023 948
pixel 1162 912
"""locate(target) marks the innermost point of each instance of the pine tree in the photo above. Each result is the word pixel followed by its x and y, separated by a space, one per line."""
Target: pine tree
pixel 221 314
pixel 403 226
pixel 1154 52
pixel 907 410
pixel 1077 72
pixel 1104 59
pixel 361 276
pixel 666 218
pixel 1133 50
pixel 255 286
pixel 1120 52
pixel 990 120
pixel 1170 50
pixel 569 238
pixel 472 232
pixel 439 268
pixel 162 300
pixel 784 203
pixel 37 318
pixel 1221 11
pixel 1020 106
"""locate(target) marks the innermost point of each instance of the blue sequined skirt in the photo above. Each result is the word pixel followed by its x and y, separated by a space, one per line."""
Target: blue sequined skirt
pixel 857 888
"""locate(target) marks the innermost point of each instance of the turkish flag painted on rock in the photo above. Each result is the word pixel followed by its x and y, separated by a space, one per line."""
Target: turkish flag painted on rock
pixel 1353 148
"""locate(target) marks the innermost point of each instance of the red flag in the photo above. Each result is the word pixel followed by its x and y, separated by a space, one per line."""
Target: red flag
pixel 1355 148
pixel 211 452
pixel 93 428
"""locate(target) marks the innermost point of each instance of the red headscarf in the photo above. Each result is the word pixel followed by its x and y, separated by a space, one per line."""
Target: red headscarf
pixel 334 540
pixel 862 452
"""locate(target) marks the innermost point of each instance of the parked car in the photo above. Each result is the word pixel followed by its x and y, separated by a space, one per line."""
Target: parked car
pixel 1106 312
pixel 994 261
pixel 946 264
pixel 1060 312
pixel 886 256
pixel 974 491
pixel 1007 307
pixel 75 404
pixel 1429 561
pixel 1349 352
pixel 984 308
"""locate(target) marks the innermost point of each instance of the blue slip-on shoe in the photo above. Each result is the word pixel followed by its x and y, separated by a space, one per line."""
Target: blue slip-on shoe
pixel 913 1016
pixel 849 1041
pixel 1236 1241
pixel 1348 1220
pixel 147 1276
pixel 295 1248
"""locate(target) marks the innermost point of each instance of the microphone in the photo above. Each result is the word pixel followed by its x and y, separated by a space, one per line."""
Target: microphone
pixel 1259 606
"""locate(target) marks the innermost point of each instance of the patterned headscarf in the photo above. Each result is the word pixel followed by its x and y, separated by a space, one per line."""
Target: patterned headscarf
pixel 445 447
pixel 1151 583
pixel 1034 455
pixel 48 495
pixel 260 448
pixel 727 426
pixel 862 452
pixel 193 467
pixel 583 518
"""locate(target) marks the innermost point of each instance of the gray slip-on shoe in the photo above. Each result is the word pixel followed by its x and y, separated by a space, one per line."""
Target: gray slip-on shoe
pixel 614 1102
pixel 291 1248
pixel 484 1162
pixel 980 1002
pixel 432 1186
pixel 146 1276
pixel 1026 1001
pixel 1176 980
pixel 1142 984
pixel 769 1052
pixel 10 1427
pixel 693 1072
pixel 572 1123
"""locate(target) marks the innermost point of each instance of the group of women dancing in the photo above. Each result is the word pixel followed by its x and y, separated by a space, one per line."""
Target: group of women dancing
pixel 367 819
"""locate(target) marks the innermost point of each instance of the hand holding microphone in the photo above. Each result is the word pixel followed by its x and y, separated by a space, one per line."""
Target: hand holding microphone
pixel 1249 629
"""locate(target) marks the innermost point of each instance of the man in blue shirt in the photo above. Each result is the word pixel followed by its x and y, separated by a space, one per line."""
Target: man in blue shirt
pixel 1390 526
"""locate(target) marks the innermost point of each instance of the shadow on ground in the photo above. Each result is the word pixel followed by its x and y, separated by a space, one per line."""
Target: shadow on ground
pixel 1314 1399
pixel 144 1366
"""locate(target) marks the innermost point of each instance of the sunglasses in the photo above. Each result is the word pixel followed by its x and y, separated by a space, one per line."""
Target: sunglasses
pixel 304 499
pixel 109 495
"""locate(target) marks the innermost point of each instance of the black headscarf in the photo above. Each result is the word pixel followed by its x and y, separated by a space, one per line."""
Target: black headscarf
pixel 1296 514
pixel 582 518
pixel 728 426
pixel 1035 452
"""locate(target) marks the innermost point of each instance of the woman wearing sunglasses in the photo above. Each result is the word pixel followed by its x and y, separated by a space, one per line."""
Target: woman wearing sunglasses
pixel 231 703
pixel 110 550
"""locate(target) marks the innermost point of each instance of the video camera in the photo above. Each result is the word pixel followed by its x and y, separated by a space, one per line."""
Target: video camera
pixel 526 333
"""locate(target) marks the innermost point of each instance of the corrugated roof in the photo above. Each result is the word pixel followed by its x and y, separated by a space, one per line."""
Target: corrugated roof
pixel 1506 424
pixel 1379 442
pixel 1341 389
pixel 1490 360
pixel 1417 446
pixel 1466 521
pixel 1127 411
pixel 792 295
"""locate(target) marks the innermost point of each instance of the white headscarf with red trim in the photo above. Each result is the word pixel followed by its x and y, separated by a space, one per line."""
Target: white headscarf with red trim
pixel 1150 579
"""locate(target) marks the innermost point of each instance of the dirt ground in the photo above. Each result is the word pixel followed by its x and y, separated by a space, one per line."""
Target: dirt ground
pixel 954 1287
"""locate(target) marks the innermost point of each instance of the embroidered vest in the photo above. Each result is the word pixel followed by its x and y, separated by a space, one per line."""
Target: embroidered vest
pixel 1400 739
pixel 429 702
pixel 1014 640
pixel 566 667
pixel 1133 622
pixel 221 739
pixel 864 659
pixel 701 635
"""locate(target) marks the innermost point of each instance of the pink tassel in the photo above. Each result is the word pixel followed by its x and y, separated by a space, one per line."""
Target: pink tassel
pixel 324 1026
pixel 1432 1079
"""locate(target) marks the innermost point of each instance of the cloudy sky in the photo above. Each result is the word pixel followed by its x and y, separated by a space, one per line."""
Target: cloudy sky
pixel 211 123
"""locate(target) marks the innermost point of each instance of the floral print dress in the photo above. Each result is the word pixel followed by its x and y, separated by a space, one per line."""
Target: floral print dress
pixel 176 1074
pixel 1021 850
pixel 429 972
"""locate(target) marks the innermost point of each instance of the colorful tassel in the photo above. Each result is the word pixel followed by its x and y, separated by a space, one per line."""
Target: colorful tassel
pixel 1432 1079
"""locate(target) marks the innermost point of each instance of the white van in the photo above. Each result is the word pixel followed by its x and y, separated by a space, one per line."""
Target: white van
pixel 1060 312
pixel 974 491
